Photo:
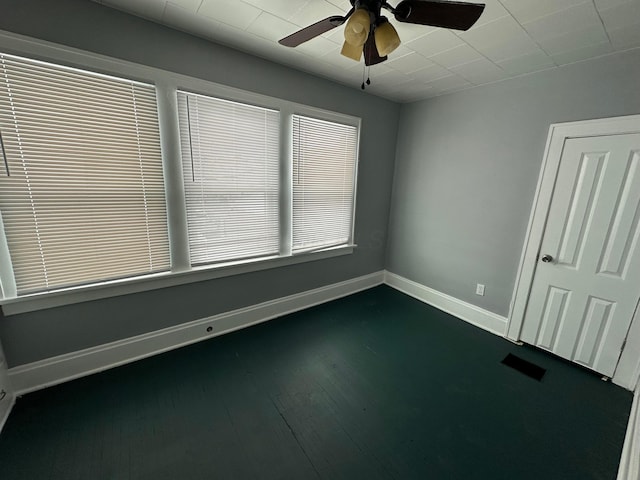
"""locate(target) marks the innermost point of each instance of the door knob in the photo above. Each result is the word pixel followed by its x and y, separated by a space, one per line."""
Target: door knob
pixel 547 258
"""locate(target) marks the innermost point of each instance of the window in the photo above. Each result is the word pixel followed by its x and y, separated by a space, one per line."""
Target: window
pixel 230 158
pixel 82 197
pixel 324 163
pixel 110 186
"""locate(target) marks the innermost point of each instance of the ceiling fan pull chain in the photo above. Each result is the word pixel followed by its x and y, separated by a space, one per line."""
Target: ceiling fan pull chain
pixel 364 69
pixel 368 75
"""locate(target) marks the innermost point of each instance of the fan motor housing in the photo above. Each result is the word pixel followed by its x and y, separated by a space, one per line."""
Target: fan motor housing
pixel 374 6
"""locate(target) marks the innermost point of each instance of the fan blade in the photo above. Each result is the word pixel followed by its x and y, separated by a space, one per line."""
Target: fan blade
pixel 456 15
pixel 312 31
pixel 371 55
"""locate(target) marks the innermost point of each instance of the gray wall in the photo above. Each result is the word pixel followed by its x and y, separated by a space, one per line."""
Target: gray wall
pixel 467 165
pixel 89 26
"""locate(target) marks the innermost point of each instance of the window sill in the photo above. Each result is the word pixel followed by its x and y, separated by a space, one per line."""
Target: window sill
pixel 85 293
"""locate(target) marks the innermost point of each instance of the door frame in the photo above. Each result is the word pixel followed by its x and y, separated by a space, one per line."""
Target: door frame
pixel 628 370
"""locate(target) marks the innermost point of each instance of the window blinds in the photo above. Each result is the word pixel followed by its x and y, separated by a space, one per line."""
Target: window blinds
pixel 230 156
pixel 324 163
pixel 84 201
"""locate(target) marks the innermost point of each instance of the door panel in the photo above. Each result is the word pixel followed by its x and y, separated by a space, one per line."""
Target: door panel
pixel 586 186
pixel 555 308
pixel 582 302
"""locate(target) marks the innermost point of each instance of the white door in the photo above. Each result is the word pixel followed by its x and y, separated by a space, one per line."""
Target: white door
pixel 587 280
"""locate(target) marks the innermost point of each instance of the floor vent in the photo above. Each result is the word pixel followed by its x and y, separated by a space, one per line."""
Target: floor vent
pixel 523 366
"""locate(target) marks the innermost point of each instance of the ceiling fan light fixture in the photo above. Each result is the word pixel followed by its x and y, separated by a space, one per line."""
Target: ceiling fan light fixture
pixel 368 34
pixel 357 27
pixel 386 37
pixel 354 52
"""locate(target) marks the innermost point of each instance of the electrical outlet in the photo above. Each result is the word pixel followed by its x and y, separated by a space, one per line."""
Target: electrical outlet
pixel 480 289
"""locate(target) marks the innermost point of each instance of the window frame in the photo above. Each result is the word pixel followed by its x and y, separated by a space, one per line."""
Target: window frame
pixel 119 230
pixel 355 176
pixel 167 84
pixel 279 225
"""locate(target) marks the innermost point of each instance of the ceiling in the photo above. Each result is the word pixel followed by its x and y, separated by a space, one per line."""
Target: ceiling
pixel 512 37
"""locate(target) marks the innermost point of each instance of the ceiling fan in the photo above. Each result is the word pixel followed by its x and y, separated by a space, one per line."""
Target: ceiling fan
pixel 368 32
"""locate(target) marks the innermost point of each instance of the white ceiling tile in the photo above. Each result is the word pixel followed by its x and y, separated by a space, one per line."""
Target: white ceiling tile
pixel 496 30
pixel 271 27
pixel 532 62
pixel 500 40
pixel 336 35
pixel 622 15
pixel 343 4
pixel 570 41
pixel 434 42
pixel 571 19
pixel 504 51
pixel 183 19
pixel 281 8
pixel 567 29
pixel 409 31
pixel 374 70
pixel 529 10
pixel 456 56
pixel 314 11
pixel 584 53
pixel 393 77
pixel 480 71
pixel 625 37
pixel 235 13
pixel 431 73
pixel 191 5
pixel 408 63
pixel 604 4
pixel 401 51
pixel 452 82
pixel 316 47
pixel 492 11
pixel 409 88
pixel 149 9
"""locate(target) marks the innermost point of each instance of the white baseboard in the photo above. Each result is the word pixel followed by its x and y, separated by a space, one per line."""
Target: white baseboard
pixel 630 459
pixel 52 371
pixel 477 316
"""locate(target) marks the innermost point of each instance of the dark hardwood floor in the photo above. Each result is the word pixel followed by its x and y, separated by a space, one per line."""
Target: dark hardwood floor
pixel 373 386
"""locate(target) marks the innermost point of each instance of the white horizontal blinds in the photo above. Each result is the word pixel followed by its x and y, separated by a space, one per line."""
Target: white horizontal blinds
pixel 230 156
pixel 85 199
pixel 324 164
